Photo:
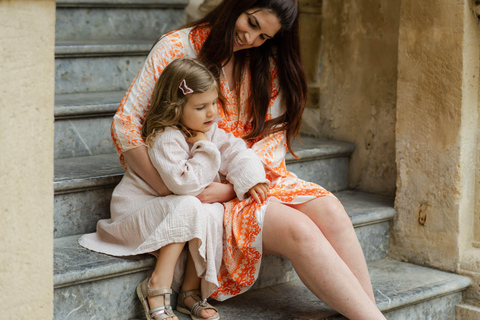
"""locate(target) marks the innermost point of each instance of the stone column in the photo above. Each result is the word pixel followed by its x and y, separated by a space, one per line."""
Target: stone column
pixel 198 8
pixel 27 37
pixel 437 138
pixel 358 86
pixel 311 37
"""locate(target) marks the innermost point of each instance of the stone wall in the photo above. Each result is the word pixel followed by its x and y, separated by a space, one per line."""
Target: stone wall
pixel 358 86
pixel 26 160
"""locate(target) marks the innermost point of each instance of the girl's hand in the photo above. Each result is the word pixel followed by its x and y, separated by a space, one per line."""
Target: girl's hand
pixel 196 136
pixel 217 192
pixel 260 191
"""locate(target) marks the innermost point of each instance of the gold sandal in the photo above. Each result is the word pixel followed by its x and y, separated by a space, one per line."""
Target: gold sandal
pixel 196 310
pixel 160 313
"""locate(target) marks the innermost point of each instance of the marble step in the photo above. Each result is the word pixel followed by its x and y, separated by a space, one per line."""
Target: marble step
pixel 77 72
pixel 83 185
pixel 117 19
pixel 83 279
pixel 107 291
pixel 402 291
pixel 82 123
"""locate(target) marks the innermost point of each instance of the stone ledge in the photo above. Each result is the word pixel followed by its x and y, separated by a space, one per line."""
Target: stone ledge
pixel 366 208
pixel 80 173
pixel 87 104
pixel 310 148
pixel 467 312
pixel 101 48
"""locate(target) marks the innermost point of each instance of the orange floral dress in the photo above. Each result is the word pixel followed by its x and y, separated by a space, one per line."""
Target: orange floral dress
pixel 243 220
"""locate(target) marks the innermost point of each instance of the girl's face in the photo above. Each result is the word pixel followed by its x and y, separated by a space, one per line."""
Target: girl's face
pixel 200 111
pixel 254 27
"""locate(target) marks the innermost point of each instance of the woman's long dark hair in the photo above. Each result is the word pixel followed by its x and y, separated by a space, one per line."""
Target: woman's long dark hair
pixel 284 48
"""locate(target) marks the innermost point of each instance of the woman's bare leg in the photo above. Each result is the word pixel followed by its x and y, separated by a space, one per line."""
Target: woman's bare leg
pixel 162 275
pixel 330 216
pixel 291 233
pixel 192 282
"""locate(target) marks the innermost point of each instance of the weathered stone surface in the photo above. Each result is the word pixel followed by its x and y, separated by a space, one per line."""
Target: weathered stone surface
pixel 104 23
pixel 96 74
pixel 83 137
pixel 437 130
pixel 358 87
pixel 26 160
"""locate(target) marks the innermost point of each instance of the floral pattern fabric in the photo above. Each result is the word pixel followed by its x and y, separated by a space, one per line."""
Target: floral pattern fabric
pixel 243 219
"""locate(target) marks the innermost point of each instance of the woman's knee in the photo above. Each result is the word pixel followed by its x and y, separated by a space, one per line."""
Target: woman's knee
pixel 329 211
pixel 292 232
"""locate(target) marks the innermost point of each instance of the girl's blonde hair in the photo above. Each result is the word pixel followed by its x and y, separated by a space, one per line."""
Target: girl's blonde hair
pixel 168 99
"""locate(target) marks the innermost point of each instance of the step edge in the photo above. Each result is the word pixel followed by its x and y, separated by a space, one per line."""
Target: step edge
pixel 65 108
pixel 96 48
pixel 82 184
pixel 447 289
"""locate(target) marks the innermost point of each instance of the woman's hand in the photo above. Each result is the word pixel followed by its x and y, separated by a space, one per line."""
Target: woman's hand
pixel 217 192
pixel 259 192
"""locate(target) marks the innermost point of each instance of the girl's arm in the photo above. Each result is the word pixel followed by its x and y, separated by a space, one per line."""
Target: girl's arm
pixel 240 165
pixel 184 171
pixel 138 160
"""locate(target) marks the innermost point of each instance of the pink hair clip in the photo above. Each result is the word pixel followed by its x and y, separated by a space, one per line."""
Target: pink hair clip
pixel 185 89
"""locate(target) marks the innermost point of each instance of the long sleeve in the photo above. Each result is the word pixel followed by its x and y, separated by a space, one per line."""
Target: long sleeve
pixel 240 165
pixel 127 122
pixel 184 171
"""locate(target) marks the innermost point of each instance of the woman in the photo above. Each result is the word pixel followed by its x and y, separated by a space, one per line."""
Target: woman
pixel 252 47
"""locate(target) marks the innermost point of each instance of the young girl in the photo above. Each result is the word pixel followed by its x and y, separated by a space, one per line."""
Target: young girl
pixel 189 151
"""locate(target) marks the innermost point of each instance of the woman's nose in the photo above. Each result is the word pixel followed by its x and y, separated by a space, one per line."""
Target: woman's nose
pixel 250 37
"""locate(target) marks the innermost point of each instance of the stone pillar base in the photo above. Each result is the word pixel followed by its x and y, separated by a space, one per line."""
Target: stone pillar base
pixel 467 312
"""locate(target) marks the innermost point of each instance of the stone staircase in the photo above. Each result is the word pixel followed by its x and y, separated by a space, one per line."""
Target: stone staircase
pixel 100 46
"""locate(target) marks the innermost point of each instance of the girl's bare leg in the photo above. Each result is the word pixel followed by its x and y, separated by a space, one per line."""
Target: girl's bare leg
pixel 291 233
pixel 162 275
pixel 330 216
pixel 192 282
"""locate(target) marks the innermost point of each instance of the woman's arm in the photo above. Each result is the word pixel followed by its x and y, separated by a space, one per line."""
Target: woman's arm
pixel 138 160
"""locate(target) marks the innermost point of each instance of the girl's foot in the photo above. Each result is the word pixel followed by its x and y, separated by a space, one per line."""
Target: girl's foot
pixel 156 302
pixel 189 302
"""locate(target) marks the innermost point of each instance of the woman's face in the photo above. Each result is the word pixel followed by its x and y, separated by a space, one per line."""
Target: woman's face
pixel 254 27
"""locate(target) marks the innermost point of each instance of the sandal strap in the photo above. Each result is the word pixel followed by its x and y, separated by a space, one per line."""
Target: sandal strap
pixel 158 292
pixel 161 313
pixel 199 305
pixel 189 293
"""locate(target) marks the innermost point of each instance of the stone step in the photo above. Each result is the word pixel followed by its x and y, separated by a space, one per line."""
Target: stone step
pixel 83 279
pixel 104 287
pixel 75 73
pixel 402 291
pixel 83 185
pixel 117 19
pixel 82 123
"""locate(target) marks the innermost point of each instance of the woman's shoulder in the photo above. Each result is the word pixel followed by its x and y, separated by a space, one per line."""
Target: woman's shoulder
pixel 185 41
